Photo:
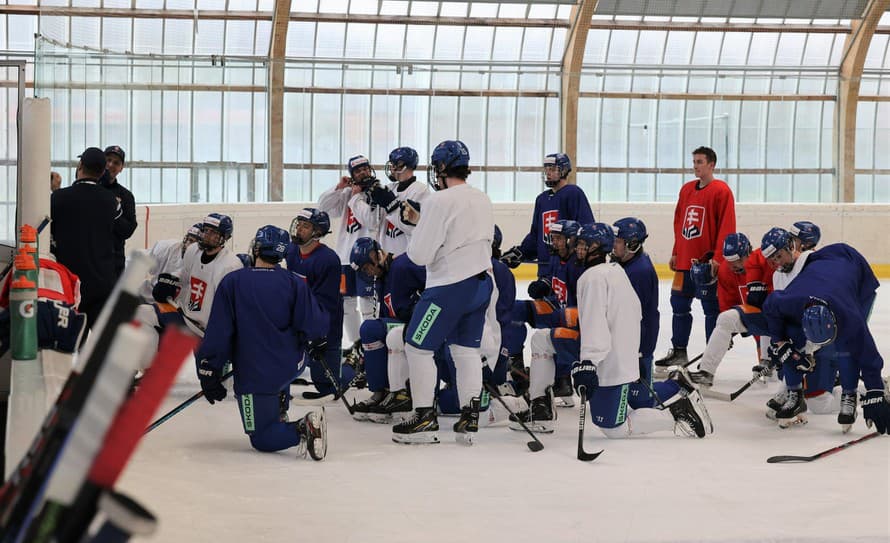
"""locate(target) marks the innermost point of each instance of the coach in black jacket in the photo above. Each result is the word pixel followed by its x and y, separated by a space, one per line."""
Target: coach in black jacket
pixel 126 224
pixel 83 239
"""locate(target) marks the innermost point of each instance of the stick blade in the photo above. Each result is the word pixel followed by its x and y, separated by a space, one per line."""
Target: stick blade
pixel 783 459
pixel 535 446
pixel 588 457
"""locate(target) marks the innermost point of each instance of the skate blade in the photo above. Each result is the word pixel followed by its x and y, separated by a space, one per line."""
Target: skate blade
pixel 796 421
pixel 542 427
pixel 464 438
pixel 564 401
pixel 845 428
pixel 421 438
pixel 379 418
pixel 770 414
pixel 361 417
pixel 324 400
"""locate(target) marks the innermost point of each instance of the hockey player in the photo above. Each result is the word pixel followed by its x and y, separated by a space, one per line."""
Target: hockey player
pixel 609 313
pixel 394 232
pixel 348 201
pixel 561 200
pixel 806 234
pixel 453 241
pixel 628 252
pixel 261 321
pixel 320 265
pixel 704 215
pixel 398 283
pixel 838 277
pixel 203 267
pixel 167 254
pixel 505 283
pixel 743 281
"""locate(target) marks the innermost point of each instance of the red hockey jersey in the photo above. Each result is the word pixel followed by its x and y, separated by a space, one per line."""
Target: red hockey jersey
pixel 731 290
pixel 702 218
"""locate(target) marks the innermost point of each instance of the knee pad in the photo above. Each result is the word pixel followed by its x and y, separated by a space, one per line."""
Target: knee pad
pixel 395 340
pixel 373 334
pixel 541 344
pixel 618 432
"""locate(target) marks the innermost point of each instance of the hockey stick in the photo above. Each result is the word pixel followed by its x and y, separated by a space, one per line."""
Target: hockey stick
pixel 336 382
pixel 728 397
pixel 535 445
pixel 192 399
pixel 788 458
pixel 582 417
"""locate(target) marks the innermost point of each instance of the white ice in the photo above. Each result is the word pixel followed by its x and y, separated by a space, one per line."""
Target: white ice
pixel 199 475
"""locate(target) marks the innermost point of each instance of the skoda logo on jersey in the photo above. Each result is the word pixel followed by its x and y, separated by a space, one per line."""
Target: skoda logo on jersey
pixel 548 218
pixel 426 323
pixel 392 231
pixel 352 224
pixel 693 221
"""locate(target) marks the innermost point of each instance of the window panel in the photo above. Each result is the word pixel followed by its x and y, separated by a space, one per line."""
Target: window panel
pixel 356 121
pixel 116 34
pixel 390 41
pixel 507 43
pixel 300 39
pixel 178 37
pixel 529 134
pixel 443 119
pixel 360 40
pixel 613 187
pixel 478 43
pixel 384 127
pixel 498 185
pixel 329 40
pixel 865 133
pixel 501 131
pixel 735 48
pixel 641 133
pixel 613 144
pixel 806 188
pixel 622 47
pixel 414 118
pixel 449 42
pixel 209 37
pixel 471 128
pixel 588 132
pixel 678 48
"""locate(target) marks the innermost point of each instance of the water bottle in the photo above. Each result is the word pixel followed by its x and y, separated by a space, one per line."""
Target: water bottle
pixel 23 316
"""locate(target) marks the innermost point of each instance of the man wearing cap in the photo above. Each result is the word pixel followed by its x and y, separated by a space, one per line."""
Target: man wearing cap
pixel 83 231
pixel 126 224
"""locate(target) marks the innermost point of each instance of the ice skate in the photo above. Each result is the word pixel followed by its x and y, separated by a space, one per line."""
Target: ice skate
pixel 689 390
pixel 361 410
pixel 775 403
pixel 687 421
pixel 793 411
pixel 354 357
pixel 421 428
pixel 543 414
pixel 676 356
pixel 468 424
pixel 702 378
pixel 563 393
pixel 846 417
pixel 396 405
pixel 313 430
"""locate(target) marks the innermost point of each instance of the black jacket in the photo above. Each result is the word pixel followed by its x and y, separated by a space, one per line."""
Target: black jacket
pixel 83 236
pixel 125 225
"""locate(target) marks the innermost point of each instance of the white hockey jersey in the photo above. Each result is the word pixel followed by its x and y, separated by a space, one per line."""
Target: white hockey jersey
pixel 609 316
pixel 167 255
pixel 358 218
pixel 395 234
pixel 199 282
pixel 781 280
pixel 453 236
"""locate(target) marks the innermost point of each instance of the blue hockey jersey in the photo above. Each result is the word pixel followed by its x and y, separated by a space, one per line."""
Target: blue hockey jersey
pixel 567 203
pixel 261 319
pixel 644 280
pixel 322 269
pixel 844 280
pixel 563 275
pixel 403 284
pixel 506 283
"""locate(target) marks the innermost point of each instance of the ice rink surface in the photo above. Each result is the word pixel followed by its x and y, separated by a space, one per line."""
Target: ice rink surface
pixel 199 475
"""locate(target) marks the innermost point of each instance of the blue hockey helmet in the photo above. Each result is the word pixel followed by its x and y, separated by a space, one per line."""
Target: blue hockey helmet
pixel 449 158
pixel 193 234
pixel 319 220
pixel 775 240
pixel 561 162
pixel 270 243
pixel 736 246
pixel 400 157
pixel 566 228
pixel 497 239
pixel 219 223
pixel 360 257
pixel 598 233
pixel 633 231
pixel 808 233
pixel 356 163
pixel 819 322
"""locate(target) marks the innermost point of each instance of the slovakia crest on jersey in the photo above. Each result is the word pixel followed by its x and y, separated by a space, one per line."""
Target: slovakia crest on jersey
pixel 387 300
pixel 392 231
pixel 197 291
pixel 548 218
pixel 560 289
pixel 352 224
pixel 693 221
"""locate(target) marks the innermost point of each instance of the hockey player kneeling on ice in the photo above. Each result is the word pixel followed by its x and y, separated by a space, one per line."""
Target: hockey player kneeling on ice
pixel 262 320
pixel 397 284
pixel 453 240
pixel 828 304
pixel 609 314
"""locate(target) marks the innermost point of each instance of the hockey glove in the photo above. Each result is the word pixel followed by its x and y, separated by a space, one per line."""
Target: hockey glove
pixel 317 349
pixel 384 198
pixel 211 382
pixel 539 288
pixel 876 410
pixel 166 289
pixel 701 275
pixel 410 212
pixel 787 354
pixel 584 377
pixel 512 258
pixel 757 291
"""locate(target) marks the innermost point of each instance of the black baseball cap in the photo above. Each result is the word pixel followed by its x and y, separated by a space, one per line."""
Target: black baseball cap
pixel 116 150
pixel 93 159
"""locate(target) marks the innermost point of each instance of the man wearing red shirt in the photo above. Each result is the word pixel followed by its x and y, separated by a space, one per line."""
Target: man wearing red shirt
pixel 704 215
